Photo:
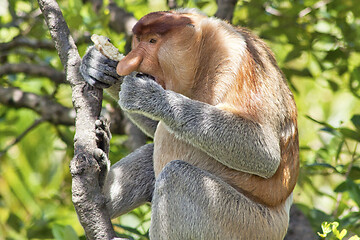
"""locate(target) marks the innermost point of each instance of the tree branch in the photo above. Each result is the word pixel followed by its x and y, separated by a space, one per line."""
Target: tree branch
pixel 33 69
pixel 48 109
pixel 225 9
pixel 55 113
pixel 86 193
pixel 26 42
pixel 120 20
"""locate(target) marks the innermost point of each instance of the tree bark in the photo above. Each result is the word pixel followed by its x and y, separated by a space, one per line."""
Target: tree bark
pixel 225 9
pixel 86 194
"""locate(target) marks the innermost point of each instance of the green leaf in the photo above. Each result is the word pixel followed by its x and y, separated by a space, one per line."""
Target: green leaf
pixel 15 222
pixel 356 121
pixel 354 173
pixel 342 187
pixel 354 191
pixel 64 232
pixel 129 229
pixel 342 234
pixel 320 122
pixel 354 238
pixel 321 165
pixel 354 83
pixel 314 65
pixel 348 133
pixel 296 53
pixel 326 227
pixel 333 85
pixel 334 229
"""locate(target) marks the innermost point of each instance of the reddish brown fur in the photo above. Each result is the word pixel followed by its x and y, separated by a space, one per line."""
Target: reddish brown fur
pixel 258 92
pixel 247 97
pixel 159 23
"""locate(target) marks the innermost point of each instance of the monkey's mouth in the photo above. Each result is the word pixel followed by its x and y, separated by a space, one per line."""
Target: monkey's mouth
pixel 156 79
pixel 145 75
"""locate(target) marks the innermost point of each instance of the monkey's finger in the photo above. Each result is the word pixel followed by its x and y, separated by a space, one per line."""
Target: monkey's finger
pixel 101 77
pixel 100 63
pixel 98 57
pixel 101 67
pixel 102 140
pixel 91 80
pixel 104 124
pixel 94 59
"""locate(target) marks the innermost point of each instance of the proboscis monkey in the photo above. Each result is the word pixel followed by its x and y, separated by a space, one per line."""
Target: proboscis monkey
pixel 224 161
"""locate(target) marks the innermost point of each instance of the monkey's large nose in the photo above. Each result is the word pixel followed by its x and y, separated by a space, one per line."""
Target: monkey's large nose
pixel 129 64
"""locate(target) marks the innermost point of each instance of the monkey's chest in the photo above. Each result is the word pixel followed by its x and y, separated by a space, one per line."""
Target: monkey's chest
pixel 168 148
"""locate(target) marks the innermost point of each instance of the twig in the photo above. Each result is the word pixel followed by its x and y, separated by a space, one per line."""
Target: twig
pixel 27 42
pixel 225 9
pixel 86 193
pixel 33 69
pixel 172 4
pixel 317 5
pixel 57 114
pixel 48 109
pixel 353 159
pixel 120 20
pixel 22 135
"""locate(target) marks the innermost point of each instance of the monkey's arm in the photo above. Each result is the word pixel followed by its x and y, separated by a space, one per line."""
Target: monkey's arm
pixel 100 71
pixel 232 140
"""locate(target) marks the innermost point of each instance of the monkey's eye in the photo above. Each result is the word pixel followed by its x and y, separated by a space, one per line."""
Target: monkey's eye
pixel 152 40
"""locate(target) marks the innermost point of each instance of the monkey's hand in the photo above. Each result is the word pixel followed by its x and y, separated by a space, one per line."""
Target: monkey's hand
pixel 98 70
pixel 141 94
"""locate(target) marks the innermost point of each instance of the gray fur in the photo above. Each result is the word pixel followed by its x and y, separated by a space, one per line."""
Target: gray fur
pixel 189 203
pixel 130 182
pixel 220 134
pixel 98 70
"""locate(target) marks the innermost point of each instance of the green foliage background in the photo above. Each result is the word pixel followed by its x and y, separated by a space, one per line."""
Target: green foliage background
pixel 317 45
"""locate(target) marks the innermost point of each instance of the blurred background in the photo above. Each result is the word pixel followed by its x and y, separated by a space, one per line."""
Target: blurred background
pixel 316 43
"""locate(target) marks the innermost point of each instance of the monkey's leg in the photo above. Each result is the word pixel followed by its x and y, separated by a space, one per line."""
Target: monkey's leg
pixel 189 203
pixel 130 181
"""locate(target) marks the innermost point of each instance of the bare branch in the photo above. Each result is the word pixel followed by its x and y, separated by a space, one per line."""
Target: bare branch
pixel 22 135
pixel 48 109
pixel 269 9
pixel 33 69
pixel 26 42
pixel 317 5
pixel 225 9
pixel 57 114
pixel 86 193
pixel 120 20
pixel 172 4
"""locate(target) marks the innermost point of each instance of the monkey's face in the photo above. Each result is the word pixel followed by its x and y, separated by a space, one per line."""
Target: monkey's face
pixel 143 58
pixel 162 48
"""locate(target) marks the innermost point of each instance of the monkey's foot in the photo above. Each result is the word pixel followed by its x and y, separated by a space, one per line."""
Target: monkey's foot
pixel 101 154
